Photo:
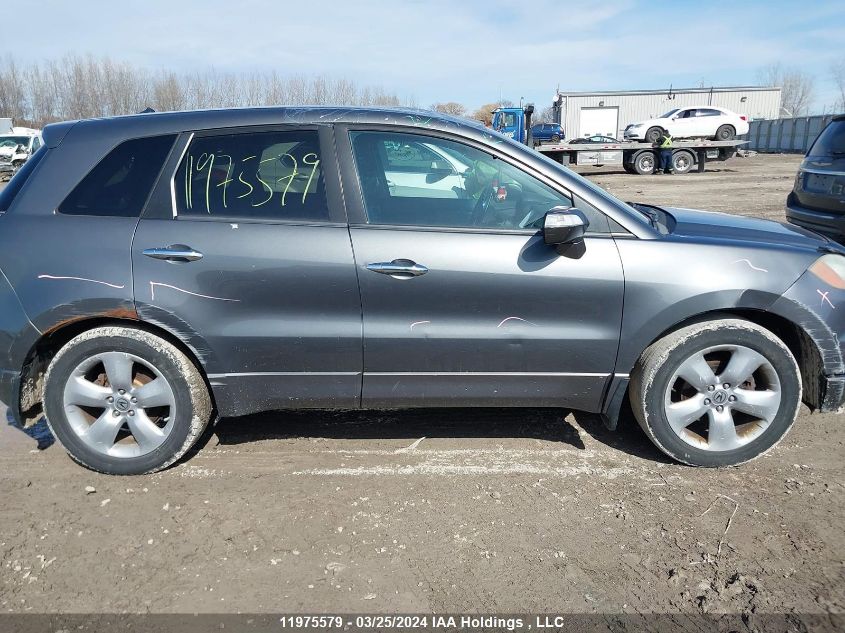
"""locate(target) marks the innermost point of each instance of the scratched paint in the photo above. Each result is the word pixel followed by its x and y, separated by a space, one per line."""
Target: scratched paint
pixel 825 298
pixel 153 285
pixel 515 318
pixel 93 281
pixel 752 266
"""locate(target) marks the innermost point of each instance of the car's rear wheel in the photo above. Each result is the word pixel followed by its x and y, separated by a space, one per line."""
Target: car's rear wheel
pixel 124 401
pixel 725 133
pixel 555 138
pixel 653 134
pixel 716 393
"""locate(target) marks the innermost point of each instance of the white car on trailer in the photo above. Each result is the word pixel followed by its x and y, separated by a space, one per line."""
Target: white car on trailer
pixel 709 122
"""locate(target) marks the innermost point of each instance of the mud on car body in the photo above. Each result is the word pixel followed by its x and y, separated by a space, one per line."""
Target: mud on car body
pixel 228 262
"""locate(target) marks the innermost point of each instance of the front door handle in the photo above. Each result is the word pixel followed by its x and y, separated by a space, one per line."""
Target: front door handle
pixel 398 268
pixel 175 253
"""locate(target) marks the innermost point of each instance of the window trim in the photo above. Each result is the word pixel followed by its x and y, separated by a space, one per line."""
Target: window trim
pixel 355 195
pixel 162 203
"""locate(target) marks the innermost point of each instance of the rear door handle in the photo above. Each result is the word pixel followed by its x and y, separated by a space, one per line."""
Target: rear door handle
pixel 174 253
pixel 398 268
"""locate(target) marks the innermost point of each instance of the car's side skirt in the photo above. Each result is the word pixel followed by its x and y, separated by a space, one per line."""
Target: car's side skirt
pixel 582 391
pixel 242 393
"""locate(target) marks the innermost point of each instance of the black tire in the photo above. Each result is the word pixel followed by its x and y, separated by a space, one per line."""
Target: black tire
pixel 645 163
pixel 188 417
pixel 653 134
pixel 725 133
pixel 682 162
pixel 658 364
pixel 555 138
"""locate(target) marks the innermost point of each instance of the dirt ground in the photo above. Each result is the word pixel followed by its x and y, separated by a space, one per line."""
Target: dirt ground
pixel 756 185
pixel 442 511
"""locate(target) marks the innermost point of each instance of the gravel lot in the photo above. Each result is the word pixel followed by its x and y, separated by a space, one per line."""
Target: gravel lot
pixel 442 511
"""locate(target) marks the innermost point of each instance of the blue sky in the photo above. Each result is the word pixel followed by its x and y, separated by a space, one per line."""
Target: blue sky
pixel 468 51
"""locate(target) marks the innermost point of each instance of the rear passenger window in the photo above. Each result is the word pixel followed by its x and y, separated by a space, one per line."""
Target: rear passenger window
pixel 120 183
pixel 255 175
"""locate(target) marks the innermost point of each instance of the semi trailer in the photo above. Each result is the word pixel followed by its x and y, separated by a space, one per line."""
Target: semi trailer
pixel 634 157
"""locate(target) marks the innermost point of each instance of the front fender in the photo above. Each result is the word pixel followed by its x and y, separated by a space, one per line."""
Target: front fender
pixel 818 310
pixel 670 282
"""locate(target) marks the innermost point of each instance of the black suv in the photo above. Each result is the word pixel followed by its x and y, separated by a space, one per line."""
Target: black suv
pixel 817 200
pixel 157 270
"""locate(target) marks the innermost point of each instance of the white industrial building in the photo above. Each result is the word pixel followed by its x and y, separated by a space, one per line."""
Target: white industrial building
pixel 608 113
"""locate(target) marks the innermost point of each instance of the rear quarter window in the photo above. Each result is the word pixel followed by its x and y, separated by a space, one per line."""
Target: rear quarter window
pixel 121 182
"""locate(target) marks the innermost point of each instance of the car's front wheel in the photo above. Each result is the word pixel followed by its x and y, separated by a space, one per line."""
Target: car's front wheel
pixel 716 393
pixel 124 401
pixel 653 134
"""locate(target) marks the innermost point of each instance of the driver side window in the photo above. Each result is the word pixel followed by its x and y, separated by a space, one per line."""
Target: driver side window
pixel 416 180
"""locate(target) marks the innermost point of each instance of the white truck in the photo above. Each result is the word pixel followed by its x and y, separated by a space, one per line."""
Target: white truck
pixel 16 147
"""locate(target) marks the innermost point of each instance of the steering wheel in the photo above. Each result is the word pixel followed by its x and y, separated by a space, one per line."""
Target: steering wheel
pixel 479 212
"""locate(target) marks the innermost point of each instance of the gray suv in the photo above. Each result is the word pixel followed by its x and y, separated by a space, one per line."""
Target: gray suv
pixel 159 270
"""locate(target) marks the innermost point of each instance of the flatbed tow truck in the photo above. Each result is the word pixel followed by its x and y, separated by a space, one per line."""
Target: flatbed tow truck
pixel 641 158
pixel 633 157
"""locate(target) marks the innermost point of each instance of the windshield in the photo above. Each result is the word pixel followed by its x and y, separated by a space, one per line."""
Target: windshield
pixel 831 142
pixel 14 141
pixel 668 114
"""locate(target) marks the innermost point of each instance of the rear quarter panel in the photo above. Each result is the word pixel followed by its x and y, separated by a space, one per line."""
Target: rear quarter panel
pixel 66 267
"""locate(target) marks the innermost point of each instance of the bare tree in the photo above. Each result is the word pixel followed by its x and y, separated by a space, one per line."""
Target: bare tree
pixel 168 93
pixel 797 88
pixel 12 88
pixel 450 107
pixel 837 72
pixel 76 87
pixel 485 112
pixel 546 115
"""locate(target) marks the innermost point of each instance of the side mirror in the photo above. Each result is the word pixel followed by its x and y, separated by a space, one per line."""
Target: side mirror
pixel 438 171
pixel 564 225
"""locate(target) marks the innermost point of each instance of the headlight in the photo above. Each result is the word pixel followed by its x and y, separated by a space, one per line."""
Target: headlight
pixel 636 125
pixel 830 269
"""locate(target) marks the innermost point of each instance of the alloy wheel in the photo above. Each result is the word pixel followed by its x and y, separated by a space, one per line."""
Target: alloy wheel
pixel 119 404
pixel 722 398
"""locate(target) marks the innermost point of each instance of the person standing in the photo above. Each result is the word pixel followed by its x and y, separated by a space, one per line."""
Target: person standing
pixel 664 146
